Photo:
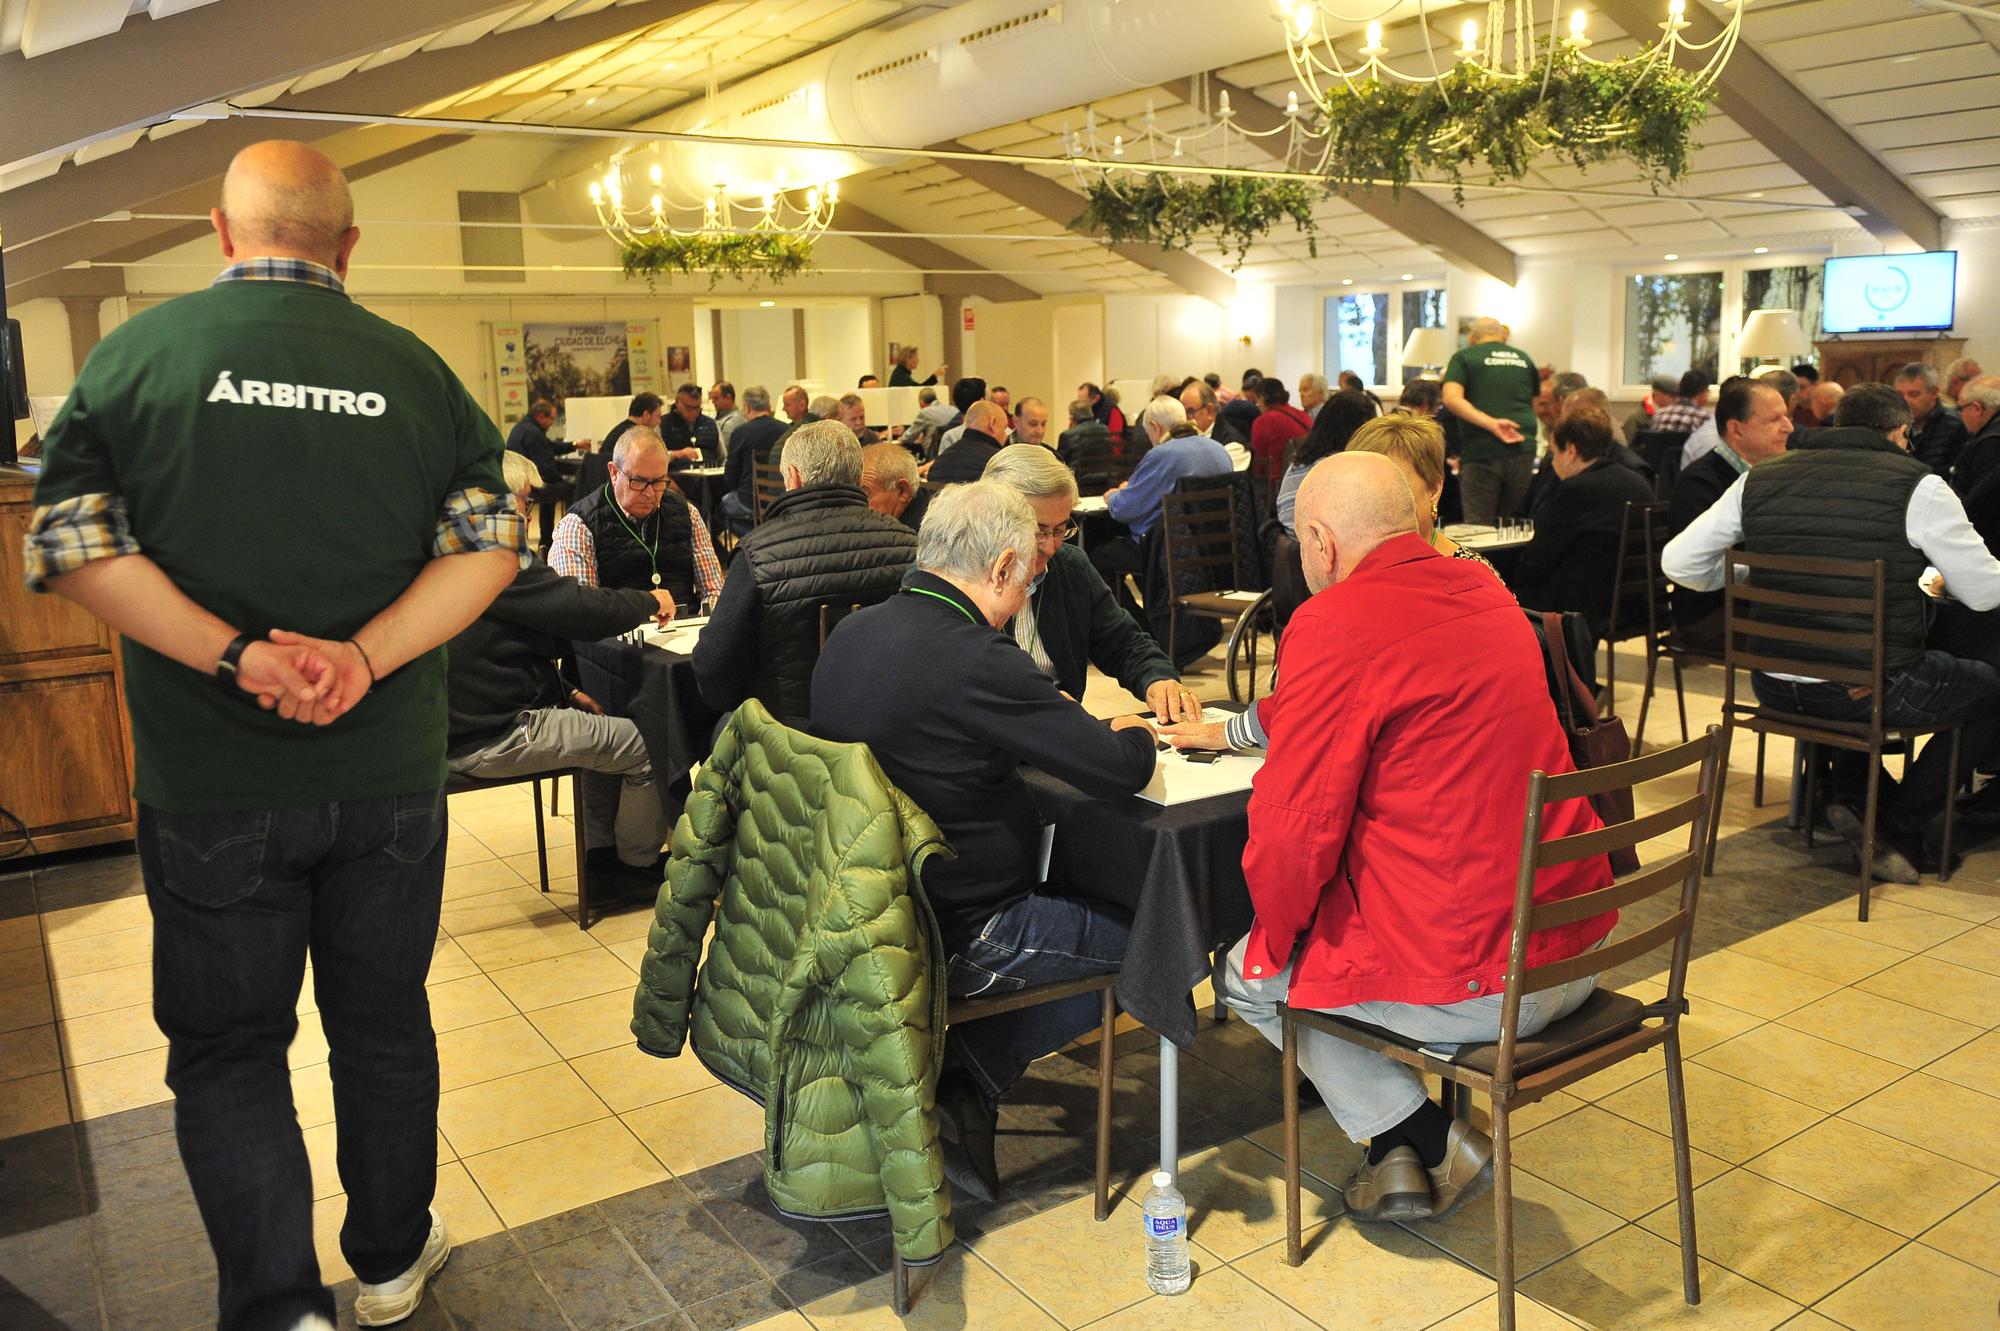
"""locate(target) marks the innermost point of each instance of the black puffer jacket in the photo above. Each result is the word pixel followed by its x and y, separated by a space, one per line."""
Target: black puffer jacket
pixel 822 546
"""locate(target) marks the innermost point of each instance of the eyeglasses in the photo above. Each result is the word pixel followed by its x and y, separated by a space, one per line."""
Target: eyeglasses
pixel 1056 534
pixel 643 483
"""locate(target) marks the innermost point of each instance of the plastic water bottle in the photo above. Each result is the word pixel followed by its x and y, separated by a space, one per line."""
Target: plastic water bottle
pixel 1167 1269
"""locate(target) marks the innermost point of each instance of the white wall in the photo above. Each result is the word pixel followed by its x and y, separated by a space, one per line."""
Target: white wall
pixel 1078 336
pixel 838 346
pixel 757 346
pixel 918 319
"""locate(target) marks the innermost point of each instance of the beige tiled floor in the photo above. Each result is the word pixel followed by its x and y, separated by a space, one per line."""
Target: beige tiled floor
pixel 1843 1083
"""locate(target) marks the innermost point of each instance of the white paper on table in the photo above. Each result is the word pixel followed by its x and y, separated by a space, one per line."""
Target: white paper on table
pixel 1179 781
pixel 1093 504
pixel 1247 598
pixel 678 637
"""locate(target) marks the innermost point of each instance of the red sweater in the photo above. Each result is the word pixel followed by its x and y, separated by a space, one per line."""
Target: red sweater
pixel 1271 433
pixel 1385 826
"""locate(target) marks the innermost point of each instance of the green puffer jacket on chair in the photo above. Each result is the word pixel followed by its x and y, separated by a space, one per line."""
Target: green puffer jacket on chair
pixel 816 996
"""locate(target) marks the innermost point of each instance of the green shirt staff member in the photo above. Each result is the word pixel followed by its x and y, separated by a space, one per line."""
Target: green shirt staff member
pixel 1490 387
pixel 276 496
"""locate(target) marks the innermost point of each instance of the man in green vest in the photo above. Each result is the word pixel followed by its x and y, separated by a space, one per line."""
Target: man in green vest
pixel 1854 492
pixel 278 498
pixel 1491 388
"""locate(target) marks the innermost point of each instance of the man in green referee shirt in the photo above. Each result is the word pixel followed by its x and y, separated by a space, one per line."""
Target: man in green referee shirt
pixel 285 505
pixel 1491 387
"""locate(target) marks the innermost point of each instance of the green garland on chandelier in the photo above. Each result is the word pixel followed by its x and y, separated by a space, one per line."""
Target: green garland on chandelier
pixel 1175 211
pixel 755 257
pixel 1589 112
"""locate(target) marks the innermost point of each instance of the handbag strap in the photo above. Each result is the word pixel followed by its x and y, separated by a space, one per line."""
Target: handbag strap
pixel 1576 698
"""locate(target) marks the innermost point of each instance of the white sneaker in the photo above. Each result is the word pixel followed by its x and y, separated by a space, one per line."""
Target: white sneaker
pixel 380 1305
pixel 312 1322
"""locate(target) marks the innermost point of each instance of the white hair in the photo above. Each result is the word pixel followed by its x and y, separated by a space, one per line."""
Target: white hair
pixel 823 453
pixel 1316 381
pixel 638 439
pixel 756 398
pixel 1034 473
pixel 968 527
pixel 521 474
pixel 1984 390
pixel 1163 414
pixel 824 406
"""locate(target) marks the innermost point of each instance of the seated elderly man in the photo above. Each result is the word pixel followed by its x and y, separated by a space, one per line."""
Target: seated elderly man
pixel 511 713
pixel 1071 620
pixel 953 709
pixel 820 545
pixel 1577 522
pixel 965 458
pixel 889 479
pixel 1177 452
pixel 637 531
pixel 1366 905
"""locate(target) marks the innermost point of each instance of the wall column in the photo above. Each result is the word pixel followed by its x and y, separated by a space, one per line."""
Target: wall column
pixel 85 326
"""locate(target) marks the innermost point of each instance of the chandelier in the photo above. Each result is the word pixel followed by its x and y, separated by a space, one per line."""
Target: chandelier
pixel 1514 88
pixel 802 213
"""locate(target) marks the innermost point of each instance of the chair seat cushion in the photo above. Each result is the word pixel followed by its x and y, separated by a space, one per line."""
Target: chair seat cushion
pixel 1604 1015
pixel 457 784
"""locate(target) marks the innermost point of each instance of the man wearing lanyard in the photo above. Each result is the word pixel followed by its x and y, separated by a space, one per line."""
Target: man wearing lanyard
pixel 262 841
pixel 635 533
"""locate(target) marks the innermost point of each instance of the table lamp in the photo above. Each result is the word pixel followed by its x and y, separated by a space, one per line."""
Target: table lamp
pixel 1774 337
pixel 1428 346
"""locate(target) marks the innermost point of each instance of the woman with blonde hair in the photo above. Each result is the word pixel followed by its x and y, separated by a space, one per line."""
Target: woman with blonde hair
pixel 1416 444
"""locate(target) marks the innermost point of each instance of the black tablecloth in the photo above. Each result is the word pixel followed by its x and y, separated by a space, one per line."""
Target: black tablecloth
pixel 656 689
pixel 1178 869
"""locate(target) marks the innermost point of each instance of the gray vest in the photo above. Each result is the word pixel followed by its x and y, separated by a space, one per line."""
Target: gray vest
pixel 1844 494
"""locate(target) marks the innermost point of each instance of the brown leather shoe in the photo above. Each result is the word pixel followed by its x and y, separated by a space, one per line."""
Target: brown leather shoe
pixel 1467 1170
pixel 1395 1189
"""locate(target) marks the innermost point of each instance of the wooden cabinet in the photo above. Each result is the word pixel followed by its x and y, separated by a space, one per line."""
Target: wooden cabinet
pixel 67 772
pixel 1861 360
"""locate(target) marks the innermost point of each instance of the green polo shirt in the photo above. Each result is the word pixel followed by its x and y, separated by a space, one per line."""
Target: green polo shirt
pixel 1501 381
pixel 286 458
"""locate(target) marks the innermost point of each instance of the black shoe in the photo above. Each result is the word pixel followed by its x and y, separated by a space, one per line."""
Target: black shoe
pixel 1981 810
pixel 966 1124
pixel 636 882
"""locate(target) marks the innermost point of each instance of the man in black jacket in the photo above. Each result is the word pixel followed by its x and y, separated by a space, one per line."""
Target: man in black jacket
pixel 1204 409
pixel 1756 421
pixel 1072 621
pixel 1569 563
pixel 751 444
pixel 952 709
pixel 692 438
pixel 820 545
pixel 644 411
pixel 1979 408
pixel 511 714
pixel 1086 439
pixel 984 435
pixel 1936 431
pixel 530 438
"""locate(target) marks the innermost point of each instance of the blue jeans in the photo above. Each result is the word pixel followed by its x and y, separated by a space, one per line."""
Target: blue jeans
pixel 1037 940
pixel 1937 689
pixel 741 516
pixel 239 901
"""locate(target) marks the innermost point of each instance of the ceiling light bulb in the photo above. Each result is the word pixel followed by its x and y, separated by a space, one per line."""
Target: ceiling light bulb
pixel 1374 46
pixel 656 203
pixel 1468 38
pixel 596 192
pixel 1409 277
pixel 766 304
pixel 1672 257
pixel 1761 249
pixel 1302 20
pixel 655 174
pixel 833 191
pixel 1347 281
pixel 1577 20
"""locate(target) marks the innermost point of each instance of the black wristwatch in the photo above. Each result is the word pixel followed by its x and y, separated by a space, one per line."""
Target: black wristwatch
pixel 226 668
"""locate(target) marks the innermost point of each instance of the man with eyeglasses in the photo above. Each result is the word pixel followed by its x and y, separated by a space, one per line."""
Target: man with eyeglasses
pixel 637 531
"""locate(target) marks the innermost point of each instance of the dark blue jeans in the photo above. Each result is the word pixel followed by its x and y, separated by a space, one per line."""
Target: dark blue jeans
pixel 239 901
pixel 1937 690
pixel 1038 940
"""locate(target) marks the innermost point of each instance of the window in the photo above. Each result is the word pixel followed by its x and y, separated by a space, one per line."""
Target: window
pixel 1673 323
pixel 1795 287
pixel 1357 336
pixel 1423 307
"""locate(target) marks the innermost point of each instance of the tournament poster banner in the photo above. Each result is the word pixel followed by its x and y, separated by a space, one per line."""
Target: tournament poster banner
pixel 558 361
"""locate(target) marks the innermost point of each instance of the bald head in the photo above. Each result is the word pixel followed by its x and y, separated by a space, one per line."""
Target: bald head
pixel 1349 504
pixel 285 199
pixel 1485 330
pixel 987 418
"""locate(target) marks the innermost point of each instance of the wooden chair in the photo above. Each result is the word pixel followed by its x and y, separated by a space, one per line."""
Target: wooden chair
pixel 1661 450
pixel 962 1010
pixel 459 785
pixel 1199 545
pixel 770 482
pixel 1631 580
pixel 1609 1028
pixel 1758 644
pixel 830 615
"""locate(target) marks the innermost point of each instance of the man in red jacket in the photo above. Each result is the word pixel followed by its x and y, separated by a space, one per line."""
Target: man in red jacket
pixel 1276 427
pixel 1386 824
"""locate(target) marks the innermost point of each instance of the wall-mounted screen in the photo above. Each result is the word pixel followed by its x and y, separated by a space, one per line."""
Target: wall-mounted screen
pixel 1890 293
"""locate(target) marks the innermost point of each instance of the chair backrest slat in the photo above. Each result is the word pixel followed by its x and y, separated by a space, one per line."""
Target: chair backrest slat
pixel 1786 665
pixel 1632 887
pixel 1808 637
pixel 1612 955
pixel 1832 605
pixel 1604 840
pixel 1588 781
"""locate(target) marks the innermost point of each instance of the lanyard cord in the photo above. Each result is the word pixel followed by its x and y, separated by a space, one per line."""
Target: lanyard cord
pixel 919 591
pixel 653 550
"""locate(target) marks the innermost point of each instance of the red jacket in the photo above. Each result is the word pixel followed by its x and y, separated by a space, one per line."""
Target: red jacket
pixel 1385 826
pixel 1271 433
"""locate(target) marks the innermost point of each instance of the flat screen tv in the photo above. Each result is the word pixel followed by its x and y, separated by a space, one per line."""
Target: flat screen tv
pixel 1890 293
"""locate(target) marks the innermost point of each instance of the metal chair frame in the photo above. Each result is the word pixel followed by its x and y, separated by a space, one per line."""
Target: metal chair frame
pixel 1198 533
pixel 1587 1042
pixel 459 785
pixel 1752 644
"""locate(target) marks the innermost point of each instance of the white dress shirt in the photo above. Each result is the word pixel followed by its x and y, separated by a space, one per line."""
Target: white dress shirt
pixel 1934 523
pixel 1702 440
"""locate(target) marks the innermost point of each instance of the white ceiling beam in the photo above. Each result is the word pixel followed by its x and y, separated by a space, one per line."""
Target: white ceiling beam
pixel 1760 98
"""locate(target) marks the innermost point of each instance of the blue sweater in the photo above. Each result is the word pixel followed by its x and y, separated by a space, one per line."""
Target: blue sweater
pixel 1163 466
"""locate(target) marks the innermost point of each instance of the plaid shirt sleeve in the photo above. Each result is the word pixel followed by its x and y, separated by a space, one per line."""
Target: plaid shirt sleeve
pixel 573 552
pixel 475 520
pixel 707 567
pixel 64 536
